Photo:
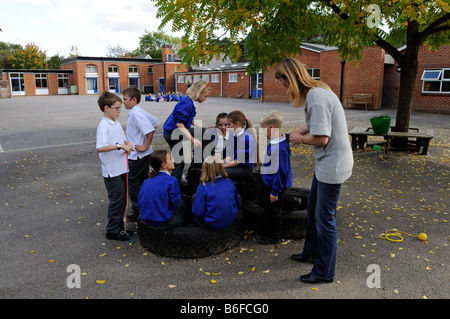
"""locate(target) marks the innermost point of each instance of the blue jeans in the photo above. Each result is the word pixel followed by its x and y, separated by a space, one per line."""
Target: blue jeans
pixel 321 232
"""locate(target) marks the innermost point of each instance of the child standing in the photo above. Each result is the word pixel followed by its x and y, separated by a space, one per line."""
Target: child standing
pixel 276 176
pixel 112 146
pixel 159 199
pixel 216 200
pixel 179 122
pixel 241 148
pixel 141 126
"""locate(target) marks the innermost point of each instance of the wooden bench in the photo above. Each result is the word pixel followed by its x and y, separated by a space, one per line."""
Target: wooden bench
pixel 421 142
pixel 360 99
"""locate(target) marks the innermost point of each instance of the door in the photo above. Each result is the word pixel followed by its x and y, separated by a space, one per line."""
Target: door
pixel 113 85
pixel 162 85
pixel 133 83
pixel 17 84
pixel 256 85
pixel 91 86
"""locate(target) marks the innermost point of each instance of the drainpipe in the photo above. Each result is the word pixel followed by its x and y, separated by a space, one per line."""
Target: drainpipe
pixel 221 84
pixel 342 80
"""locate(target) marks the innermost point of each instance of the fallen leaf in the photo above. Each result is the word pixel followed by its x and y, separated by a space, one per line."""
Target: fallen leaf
pixel 100 282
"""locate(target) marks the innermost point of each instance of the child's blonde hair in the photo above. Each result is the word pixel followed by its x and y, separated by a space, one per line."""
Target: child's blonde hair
pixel 272 118
pixel 212 168
pixel 300 82
pixel 198 88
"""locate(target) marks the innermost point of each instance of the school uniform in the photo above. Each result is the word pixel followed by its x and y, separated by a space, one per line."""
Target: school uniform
pixel 114 171
pixel 160 202
pixel 276 177
pixel 241 147
pixel 139 124
pixel 215 205
pixel 184 113
pixel 218 141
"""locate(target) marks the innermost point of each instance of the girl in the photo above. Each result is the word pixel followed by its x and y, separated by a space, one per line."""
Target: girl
pixel 179 122
pixel 159 199
pixel 216 201
pixel 219 135
pixel 241 148
pixel 327 128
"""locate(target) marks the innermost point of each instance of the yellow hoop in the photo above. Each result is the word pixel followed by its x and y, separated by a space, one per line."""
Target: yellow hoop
pixel 394 240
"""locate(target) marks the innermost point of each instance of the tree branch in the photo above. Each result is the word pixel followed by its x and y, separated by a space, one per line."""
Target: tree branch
pixel 434 27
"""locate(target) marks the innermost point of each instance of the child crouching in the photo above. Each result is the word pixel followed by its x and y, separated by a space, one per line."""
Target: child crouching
pixel 216 201
pixel 159 200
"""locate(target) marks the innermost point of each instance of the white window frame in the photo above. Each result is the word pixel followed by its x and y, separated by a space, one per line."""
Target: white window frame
pixel 435 76
pixel 64 79
pixel 214 78
pixel 205 77
pixel 188 79
pixel 91 69
pixel 197 78
pixel 232 77
pixel 181 79
pixel 314 72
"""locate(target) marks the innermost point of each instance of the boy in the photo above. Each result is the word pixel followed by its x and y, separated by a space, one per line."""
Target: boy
pixel 141 126
pixel 276 176
pixel 111 146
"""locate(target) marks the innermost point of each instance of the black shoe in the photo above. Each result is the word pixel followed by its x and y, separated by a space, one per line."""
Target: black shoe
pixel 302 259
pixel 122 236
pixel 267 241
pixel 309 279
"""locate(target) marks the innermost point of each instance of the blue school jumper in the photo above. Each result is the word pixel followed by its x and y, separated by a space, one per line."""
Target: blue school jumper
pixel 184 113
pixel 242 147
pixel 276 169
pixel 216 204
pixel 158 199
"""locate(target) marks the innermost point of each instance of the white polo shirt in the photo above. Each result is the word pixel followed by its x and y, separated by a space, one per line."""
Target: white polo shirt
pixel 114 163
pixel 139 124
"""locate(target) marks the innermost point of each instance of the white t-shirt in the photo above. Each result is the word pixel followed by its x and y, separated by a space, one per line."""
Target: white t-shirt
pixel 325 116
pixel 114 163
pixel 139 124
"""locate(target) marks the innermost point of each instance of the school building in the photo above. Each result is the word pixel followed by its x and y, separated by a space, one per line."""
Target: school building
pixel 376 74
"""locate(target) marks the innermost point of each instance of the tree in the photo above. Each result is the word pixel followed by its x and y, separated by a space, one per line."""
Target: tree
pixel 117 52
pixel 150 43
pixel 55 62
pixel 5 52
pixel 272 29
pixel 28 57
pixel 74 52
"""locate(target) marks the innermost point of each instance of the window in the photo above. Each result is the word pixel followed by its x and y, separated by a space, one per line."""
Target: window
pixel 232 77
pixel 41 80
pixel 436 81
pixel 315 73
pixel 150 69
pixel 181 79
pixel 91 69
pixel 214 78
pixel 113 69
pixel 205 77
pixel 170 57
pixel 63 80
pixel 189 79
pixel 133 69
pixel 196 78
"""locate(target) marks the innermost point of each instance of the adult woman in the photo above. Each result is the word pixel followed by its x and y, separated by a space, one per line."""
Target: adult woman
pixel 178 124
pixel 327 128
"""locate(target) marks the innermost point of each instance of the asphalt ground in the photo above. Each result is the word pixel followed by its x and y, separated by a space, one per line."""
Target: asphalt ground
pixel 54 211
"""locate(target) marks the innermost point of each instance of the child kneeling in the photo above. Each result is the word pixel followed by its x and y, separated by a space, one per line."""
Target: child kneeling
pixel 159 200
pixel 216 201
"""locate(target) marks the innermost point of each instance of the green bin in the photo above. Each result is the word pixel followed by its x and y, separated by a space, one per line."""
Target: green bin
pixel 381 124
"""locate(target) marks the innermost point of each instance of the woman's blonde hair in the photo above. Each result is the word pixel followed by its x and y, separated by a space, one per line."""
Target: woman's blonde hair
pixel 212 168
pixel 300 82
pixel 198 88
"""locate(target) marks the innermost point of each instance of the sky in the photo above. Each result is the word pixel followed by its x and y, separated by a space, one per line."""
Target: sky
pixel 91 25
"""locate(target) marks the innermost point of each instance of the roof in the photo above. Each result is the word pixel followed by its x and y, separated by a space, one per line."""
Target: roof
pixel 35 71
pixel 109 59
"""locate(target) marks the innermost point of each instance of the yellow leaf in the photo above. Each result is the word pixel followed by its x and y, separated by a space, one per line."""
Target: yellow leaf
pixel 253 269
pixel 213 281
pixel 51 260
pixel 266 271
pixel 100 282
pixel 172 286
pixel 240 273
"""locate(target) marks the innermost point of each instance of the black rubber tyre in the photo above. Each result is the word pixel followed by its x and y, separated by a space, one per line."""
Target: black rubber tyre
pixel 293 224
pixel 191 241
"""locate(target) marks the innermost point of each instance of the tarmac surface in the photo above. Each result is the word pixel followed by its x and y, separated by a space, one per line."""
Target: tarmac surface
pixel 54 212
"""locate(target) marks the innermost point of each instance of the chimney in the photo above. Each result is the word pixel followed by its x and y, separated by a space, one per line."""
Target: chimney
pixel 166 50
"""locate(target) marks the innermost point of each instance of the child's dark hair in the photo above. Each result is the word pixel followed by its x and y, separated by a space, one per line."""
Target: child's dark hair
pixel 157 158
pixel 221 116
pixel 107 99
pixel 133 93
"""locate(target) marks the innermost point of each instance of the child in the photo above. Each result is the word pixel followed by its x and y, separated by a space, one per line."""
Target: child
pixel 179 122
pixel 111 146
pixel 141 126
pixel 148 98
pixel 219 135
pixel 241 148
pixel 276 176
pixel 159 200
pixel 216 200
